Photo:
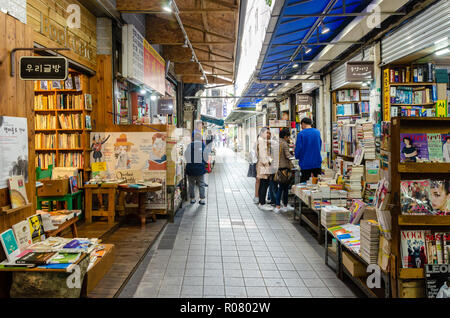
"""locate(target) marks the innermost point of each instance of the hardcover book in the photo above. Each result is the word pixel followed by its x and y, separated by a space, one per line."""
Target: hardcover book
pixel 413 148
pixel 413 250
pixel 10 245
pixel 36 228
pixel 22 234
pixel 38 258
pixel 17 192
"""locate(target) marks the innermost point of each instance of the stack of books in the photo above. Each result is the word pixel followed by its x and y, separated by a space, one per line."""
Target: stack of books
pixel 353 183
pixel 333 215
pixel 368 141
pixel 370 240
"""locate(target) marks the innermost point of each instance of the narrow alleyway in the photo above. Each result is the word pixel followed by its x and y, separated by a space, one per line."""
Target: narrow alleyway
pixel 230 248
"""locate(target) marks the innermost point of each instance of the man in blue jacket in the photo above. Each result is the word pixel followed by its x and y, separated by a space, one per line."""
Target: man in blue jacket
pixel 196 156
pixel 307 150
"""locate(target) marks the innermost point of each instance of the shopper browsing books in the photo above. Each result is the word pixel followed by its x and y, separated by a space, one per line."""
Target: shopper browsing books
pixel 307 150
pixel 263 167
pixel 196 155
pixel 446 149
pixel 283 173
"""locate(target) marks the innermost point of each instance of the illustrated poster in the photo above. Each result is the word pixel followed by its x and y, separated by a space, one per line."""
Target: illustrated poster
pixel 135 157
pixel 13 149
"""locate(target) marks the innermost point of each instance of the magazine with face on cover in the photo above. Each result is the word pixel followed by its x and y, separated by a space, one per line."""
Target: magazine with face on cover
pixel 413 249
pixel 414 148
pixel 415 197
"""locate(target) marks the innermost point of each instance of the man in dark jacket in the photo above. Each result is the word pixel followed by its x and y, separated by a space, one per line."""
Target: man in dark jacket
pixel 196 158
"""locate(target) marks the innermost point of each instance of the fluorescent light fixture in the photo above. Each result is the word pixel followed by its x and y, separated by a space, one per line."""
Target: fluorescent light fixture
pixel 192 58
pixel 153 97
pixel 168 7
pixel 440 41
pixel 143 91
pixel 185 43
pixel 325 30
pixel 308 50
pixel 364 84
pixel 442 52
pixel 295 65
pixel 202 78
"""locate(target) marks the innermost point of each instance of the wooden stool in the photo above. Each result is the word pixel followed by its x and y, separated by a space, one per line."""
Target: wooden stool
pixel 100 190
pixel 68 198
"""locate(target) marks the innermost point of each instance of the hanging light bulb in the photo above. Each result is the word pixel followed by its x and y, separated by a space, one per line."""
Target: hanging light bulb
pixel 325 29
pixel 168 6
pixel 185 43
pixel 192 58
pixel 308 50
pixel 295 65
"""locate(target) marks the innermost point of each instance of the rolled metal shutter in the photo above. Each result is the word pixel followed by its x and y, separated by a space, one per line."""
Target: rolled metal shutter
pixel 419 33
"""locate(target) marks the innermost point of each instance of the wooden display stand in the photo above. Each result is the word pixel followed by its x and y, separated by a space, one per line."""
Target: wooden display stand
pixel 413 171
pixel 99 190
pixel 100 268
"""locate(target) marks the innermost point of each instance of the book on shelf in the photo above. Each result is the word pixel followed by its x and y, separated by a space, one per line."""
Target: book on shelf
pixel 45 141
pixel 17 191
pixel 56 85
pixel 88 123
pixel 43 85
pixel 68 83
pixel 71 159
pixel 348 95
pixel 44 102
pixel 437 281
pixel 442 108
pixel 73 184
pixel 69 141
pixel 412 111
pixel 45 121
pixel 69 102
pixel 70 121
pixel 77 82
pixel 88 101
pixel 43 160
pixel 415 74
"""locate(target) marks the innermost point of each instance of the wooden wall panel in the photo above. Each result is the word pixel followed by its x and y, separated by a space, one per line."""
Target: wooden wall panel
pixel 16 100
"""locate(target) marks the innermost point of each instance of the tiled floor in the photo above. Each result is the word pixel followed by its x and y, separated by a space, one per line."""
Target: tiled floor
pixel 229 248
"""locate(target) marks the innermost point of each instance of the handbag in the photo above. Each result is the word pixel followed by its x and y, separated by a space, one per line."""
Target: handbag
pixel 283 175
pixel 251 170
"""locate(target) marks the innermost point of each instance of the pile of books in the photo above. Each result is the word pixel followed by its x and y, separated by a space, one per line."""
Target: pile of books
pixel 348 235
pixel 59 217
pixel 368 141
pixel 333 215
pixel 353 182
pixel 370 240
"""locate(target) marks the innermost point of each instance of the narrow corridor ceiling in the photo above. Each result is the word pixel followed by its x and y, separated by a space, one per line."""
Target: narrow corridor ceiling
pixel 211 26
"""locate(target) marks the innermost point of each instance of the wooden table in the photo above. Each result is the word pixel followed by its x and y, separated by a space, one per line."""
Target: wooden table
pixel 143 194
pixel 72 223
pixel 100 189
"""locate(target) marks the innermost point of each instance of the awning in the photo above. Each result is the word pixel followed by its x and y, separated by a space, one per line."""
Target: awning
pixel 212 120
pixel 302 30
pixel 237 116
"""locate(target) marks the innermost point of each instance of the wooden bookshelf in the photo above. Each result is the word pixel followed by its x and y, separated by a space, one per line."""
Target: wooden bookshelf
pixel 79 103
pixel 412 171
pixel 412 84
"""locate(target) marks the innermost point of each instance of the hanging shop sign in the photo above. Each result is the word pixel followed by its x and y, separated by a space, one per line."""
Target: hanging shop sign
pixel 56 27
pixel 303 99
pixel 359 71
pixel 43 68
pixel 189 108
pixel 141 62
pixel 165 106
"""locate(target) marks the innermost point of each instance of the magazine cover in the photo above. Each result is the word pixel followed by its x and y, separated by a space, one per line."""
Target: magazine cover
pixel 413 148
pixel 415 197
pixel 437 280
pixel 413 249
pixel 440 196
pixel 435 147
pixel 446 147
pixel 356 211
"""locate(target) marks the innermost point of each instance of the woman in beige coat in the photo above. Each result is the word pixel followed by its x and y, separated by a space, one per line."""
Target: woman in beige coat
pixel 263 168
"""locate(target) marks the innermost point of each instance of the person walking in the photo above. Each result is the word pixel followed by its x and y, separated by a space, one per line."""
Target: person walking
pixel 273 186
pixel 263 167
pixel 196 155
pixel 307 150
pixel 284 168
pixel 252 169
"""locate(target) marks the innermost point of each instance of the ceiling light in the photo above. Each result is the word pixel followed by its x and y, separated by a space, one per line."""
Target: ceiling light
pixel 308 50
pixel 364 84
pixel 192 58
pixel 168 7
pixel 142 91
pixel 442 52
pixel 202 78
pixel 440 41
pixel 295 65
pixel 325 30
pixel 153 97
pixel 185 43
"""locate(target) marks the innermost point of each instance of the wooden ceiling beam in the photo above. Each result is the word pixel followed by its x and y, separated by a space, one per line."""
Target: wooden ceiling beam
pixel 193 43
pixel 218 68
pixel 182 11
pixel 193 27
pixel 223 3
pixel 212 53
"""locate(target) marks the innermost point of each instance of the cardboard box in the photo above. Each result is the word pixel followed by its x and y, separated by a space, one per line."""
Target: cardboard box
pixel 53 188
pixel 101 267
pixel 355 267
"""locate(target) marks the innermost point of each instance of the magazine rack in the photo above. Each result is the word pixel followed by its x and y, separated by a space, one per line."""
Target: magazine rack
pixel 412 171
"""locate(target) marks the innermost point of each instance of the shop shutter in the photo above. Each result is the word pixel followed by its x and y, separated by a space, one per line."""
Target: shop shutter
pixel 338 74
pixel 419 33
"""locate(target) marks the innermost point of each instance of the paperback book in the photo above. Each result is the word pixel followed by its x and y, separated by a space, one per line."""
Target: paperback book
pixel 38 258
pixel 10 245
pixel 36 228
pixel 23 235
